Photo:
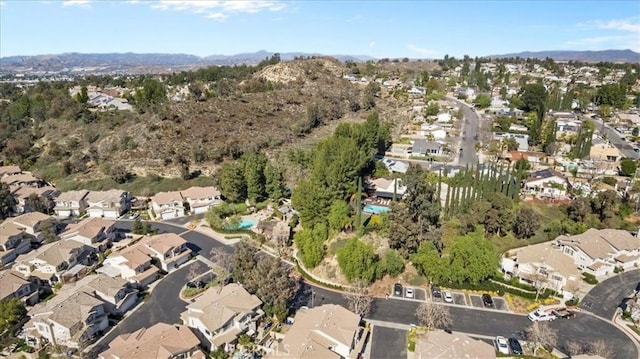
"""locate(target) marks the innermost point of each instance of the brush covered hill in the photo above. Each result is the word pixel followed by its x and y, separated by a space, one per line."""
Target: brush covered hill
pixel 277 105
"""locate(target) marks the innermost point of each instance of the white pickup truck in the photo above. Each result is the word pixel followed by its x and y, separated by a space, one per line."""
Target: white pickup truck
pixel 539 315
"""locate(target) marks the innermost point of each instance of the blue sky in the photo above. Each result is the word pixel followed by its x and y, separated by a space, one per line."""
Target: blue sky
pixel 415 29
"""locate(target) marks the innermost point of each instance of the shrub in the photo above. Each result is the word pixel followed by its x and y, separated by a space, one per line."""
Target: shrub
pixel 618 269
pixel 572 302
pixel 589 278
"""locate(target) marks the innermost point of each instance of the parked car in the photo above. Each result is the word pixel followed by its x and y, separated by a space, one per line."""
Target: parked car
pixel 487 300
pixel 409 293
pixel 447 297
pixel 563 313
pixel 133 215
pixel 435 292
pixel 397 289
pixel 502 345
pixel 541 316
pixel 515 346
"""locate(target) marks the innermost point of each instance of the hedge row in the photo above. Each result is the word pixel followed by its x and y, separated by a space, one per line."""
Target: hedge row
pixel 500 288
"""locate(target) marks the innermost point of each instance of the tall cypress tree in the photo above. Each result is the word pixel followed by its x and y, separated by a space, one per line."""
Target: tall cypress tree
pixel 359 204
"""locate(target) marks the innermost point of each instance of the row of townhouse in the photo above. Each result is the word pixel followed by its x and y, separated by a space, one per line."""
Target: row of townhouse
pixel 78 313
pixel 559 264
pixel 134 262
pixel 174 204
pixel 18 234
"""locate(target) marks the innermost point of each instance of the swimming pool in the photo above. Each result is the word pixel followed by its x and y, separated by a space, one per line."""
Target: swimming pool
pixel 245 223
pixel 372 208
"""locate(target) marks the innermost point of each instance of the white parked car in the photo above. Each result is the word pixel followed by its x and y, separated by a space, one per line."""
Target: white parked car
pixel 540 316
pixel 409 293
pixel 502 345
pixel 448 297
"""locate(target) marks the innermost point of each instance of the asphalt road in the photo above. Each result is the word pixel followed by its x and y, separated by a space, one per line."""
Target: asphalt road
pixel 470 130
pixel 388 343
pixel 164 305
pixel 605 297
pixel 614 137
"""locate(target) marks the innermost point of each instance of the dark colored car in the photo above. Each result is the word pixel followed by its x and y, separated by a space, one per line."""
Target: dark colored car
pixel 397 289
pixel 515 347
pixel 487 300
pixel 435 292
pixel 564 314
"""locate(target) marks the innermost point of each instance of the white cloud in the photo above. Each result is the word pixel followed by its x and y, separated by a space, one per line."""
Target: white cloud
pixel 221 9
pixel 82 3
pixel 372 44
pixel 620 25
pixel 421 50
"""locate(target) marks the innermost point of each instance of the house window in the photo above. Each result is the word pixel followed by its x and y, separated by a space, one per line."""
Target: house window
pixel 556 278
pixel 568 251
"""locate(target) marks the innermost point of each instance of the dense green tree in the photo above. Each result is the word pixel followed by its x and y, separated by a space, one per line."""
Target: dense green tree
pixel 274 182
pixel 429 263
pixel 232 182
pixel 527 223
pixel 270 281
pixel 357 261
pixel 499 218
pixel 391 264
pixel 312 201
pixel 510 144
pixel 613 95
pixel 628 167
pixel 39 204
pixel 153 92
pixel 310 243
pixel 11 312
pixel 606 205
pixel 7 201
pixel 243 261
pixel 136 227
pixel 534 97
pixel 340 216
pixel 253 165
pixel 472 258
pixel 49 230
pixel 521 169
pixel 482 101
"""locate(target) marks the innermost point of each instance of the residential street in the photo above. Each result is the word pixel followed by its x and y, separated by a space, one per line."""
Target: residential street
pixel 607 295
pixel 164 305
pixel 470 128
pixel 614 137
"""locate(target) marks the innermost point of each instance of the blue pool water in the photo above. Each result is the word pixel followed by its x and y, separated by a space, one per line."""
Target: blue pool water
pixel 372 208
pixel 245 223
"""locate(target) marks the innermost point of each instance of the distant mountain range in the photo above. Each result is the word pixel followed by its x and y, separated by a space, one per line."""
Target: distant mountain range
pixel 127 61
pixel 140 63
pixel 586 56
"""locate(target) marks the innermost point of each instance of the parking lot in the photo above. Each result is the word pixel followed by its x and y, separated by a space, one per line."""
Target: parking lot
pixel 459 298
pixel 418 293
pixel 498 303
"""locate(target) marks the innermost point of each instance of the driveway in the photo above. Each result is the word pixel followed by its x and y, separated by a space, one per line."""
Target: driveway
pixel 603 299
pixel 162 304
pixel 388 343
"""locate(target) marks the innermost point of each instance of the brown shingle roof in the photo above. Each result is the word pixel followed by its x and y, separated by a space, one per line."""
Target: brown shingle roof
pixel 160 341
pixel 11 282
pixel 200 192
pixel 31 219
pixel 167 197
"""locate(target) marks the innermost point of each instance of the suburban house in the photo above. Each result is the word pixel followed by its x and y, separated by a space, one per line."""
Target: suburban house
pixel 600 251
pixel 73 318
pixel 71 204
pixel 23 179
pixel 31 222
pixel 423 147
pixel 117 294
pixel 51 261
pixel 132 264
pixel 22 194
pixel 326 331
pixel 385 188
pixel 200 199
pixel 161 341
pixel 604 151
pixel 15 285
pixel 433 131
pixel 276 231
pixel 168 248
pixel 9 170
pixel 543 265
pixel 395 166
pixel 167 205
pixel 401 149
pixel 567 128
pixel 220 314
pixel 96 233
pixel 440 344
pixel 546 183
pixel 521 139
pixel 14 240
pixel 108 204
